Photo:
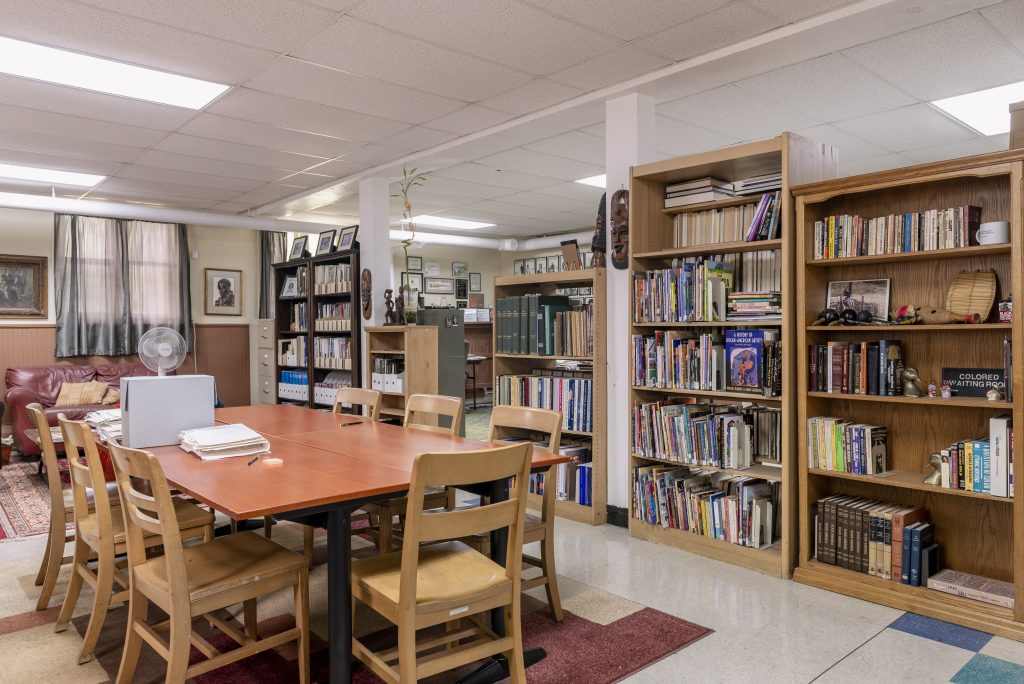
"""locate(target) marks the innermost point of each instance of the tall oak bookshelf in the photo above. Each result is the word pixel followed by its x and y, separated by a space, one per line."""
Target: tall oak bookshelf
pixel 977 533
pixel 799 160
pixel 516 364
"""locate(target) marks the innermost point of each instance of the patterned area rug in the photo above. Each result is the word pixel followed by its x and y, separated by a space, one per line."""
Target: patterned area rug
pixel 24 501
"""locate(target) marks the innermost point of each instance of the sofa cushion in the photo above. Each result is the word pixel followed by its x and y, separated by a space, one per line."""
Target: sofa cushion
pixel 112 373
pixel 70 412
pixel 46 381
pixel 81 393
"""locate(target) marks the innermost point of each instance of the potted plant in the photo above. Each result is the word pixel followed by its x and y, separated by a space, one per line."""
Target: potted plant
pixel 411 178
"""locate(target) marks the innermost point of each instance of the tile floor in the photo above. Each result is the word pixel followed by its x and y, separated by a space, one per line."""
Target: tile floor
pixel 766 629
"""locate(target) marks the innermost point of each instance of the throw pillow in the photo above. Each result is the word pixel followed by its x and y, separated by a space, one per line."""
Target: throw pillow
pixel 81 393
pixel 111 397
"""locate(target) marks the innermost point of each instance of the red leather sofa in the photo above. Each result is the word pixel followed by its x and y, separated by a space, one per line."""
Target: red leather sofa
pixel 42 384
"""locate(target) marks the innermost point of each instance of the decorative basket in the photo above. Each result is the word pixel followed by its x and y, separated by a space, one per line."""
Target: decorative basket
pixel 972 293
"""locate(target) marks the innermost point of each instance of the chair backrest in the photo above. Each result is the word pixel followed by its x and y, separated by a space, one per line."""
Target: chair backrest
pixel 423 410
pixel 148 508
pixel 533 420
pixel 79 443
pixel 38 418
pixel 462 468
pixel 357 396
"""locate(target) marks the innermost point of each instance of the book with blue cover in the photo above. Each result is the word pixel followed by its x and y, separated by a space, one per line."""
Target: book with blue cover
pixel 744 351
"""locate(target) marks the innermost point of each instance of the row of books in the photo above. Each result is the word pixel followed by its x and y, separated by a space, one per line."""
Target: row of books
pixel 572 481
pixel 842 447
pixel 710 189
pixel 388 374
pixel 544 324
pixel 719 435
pixel 293 385
pixel 984 466
pixel 298 320
pixel 841 236
pixel 692 290
pixel 332 278
pixel 744 223
pixel 869 368
pixel 333 317
pixel 332 352
pixel 737 509
pixel 571 393
pixel 292 351
pixel 759 271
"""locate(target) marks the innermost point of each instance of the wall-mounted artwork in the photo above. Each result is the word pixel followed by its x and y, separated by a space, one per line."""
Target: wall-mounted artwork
pixel 223 292
pixel 22 286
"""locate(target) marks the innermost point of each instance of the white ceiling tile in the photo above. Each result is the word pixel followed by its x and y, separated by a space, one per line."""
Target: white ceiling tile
pixel 141 188
pixel 34 188
pixel 851 148
pixel 794 10
pixel 150 173
pixel 236 152
pixel 265 135
pixel 830 88
pixel 359 47
pixel 1007 18
pixel 86 104
pixel 497 209
pixel 277 110
pixel 304 181
pixel 489 175
pixel 909 128
pixel 736 113
pixel 620 65
pixel 552 202
pixel 336 5
pixel 540 164
pixel 576 191
pixel 470 119
pixel 454 187
pixel 597 129
pixel 372 155
pixel 506 32
pixel 231 207
pixel 628 22
pixel 115 36
pixel 154 198
pixel 572 145
pixel 58 161
pixel 182 162
pixel 418 138
pixel 34 120
pixel 336 168
pixel 882 163
pixel 950 57
pixel 275 25
pixel 59 145
pixel 265 194
pixel 678 138
pixel 731 24
pixel 535 95
pixel 966 148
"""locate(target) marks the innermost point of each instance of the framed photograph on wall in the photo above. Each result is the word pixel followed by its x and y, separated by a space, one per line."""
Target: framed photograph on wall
pixel 413 281
pixel 438 286
pixel 348 238
pixel 461 288
pixel 298 247
pixel 475 282
pixel 22 286
pixel 433 269
pixel 518 267
pixel 540 265
pixel 476 300
pixel 460 269
pixel 223 292
pixel 553 266
pixel 415 263
pixel 528 266
pixel 325 243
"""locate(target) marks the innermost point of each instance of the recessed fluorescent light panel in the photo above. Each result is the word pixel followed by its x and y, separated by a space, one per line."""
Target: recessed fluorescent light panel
pixel 986 111
pixel 444 222
pixel 31 173
pixel 42 63
pixel 596 181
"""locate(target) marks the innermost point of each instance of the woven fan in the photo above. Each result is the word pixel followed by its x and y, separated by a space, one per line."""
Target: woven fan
pixel 972 293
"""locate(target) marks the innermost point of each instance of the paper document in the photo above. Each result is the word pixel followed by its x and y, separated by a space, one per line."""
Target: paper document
pixel 224 441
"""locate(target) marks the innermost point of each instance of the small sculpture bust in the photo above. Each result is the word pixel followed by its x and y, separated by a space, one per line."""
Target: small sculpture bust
pixel 946 391
pixel 389 315
pixel 994 394
pixel 934 477
pixel 912 384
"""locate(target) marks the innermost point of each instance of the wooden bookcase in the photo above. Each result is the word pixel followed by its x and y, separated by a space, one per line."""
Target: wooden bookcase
pixel 652 247
pixel 418 345
pixel 976 533
pixel 348 328
pixel 513 364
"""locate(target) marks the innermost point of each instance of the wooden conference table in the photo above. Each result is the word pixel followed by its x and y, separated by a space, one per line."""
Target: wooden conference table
pixel 332 465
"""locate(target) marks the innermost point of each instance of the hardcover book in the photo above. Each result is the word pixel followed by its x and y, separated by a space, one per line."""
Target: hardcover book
pixel 743 352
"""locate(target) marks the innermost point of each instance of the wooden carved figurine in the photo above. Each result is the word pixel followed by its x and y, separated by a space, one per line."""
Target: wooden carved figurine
pixel 620 229
pixel 400 305
pixel 389 315
pixel 365 293
pixel 599 245
pixel 912 384
pixel 934 477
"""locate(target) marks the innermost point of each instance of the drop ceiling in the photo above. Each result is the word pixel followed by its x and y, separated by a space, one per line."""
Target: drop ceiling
pixel 499 98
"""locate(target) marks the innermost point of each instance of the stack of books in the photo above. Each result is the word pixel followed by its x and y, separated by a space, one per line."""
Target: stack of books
pixel 224 441
pixel 755 306
pixel 870 368
pixel 758 184
pixel 697 191
pixel 841 236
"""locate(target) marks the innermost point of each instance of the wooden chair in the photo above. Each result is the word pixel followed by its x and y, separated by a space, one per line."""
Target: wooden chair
pixel 100 529
pixel 540 529
pixel 195 581
pixel 423 586
pixel 421 413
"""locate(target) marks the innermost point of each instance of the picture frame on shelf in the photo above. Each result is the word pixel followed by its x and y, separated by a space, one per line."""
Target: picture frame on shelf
pixel 223 292
pixel 553 264
pixel 325 242
pixel 540 265
pixel 298 249
pixel 413 281
pixel 348 238
pixel 528 265
pixel 438 286
pixel 860 295
pixel 290 287
pixel 414 263
pixel 518 267
pixel 475 282
pixel 571 252
pixel 23 287
pixel 460 269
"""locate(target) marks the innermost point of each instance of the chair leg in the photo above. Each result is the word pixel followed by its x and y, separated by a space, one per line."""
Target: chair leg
pixel 407 651
pixel 53 559
pixel 41 575
pixel 179 645
pixel 100 604
pixel 307 544
pixel 516 666
pixel 302 622
pixel 138 606
pixel 547 559
pixel 249 611
pixel 74 586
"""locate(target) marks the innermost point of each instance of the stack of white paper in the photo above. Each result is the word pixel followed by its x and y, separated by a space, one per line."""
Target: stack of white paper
pixel 103 417
pixel 224 441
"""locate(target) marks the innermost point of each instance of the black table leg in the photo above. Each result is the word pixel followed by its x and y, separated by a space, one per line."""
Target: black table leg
pixel 339 594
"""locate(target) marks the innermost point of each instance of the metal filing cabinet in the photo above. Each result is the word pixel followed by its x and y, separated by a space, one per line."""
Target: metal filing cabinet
pixel 261 352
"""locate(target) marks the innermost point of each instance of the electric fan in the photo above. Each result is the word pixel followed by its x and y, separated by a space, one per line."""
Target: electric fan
pixel 162 350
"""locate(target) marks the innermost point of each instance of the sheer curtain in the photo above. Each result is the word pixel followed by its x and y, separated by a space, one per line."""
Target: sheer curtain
pixel 273 249
pixel 114 280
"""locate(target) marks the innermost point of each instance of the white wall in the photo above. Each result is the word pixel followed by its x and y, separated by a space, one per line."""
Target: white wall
pixel 486 262
pixel 29 233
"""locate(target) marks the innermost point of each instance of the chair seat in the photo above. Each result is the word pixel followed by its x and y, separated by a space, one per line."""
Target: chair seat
pixel 189 517
pixel 225 564
pixel 69 497
pixel 447 572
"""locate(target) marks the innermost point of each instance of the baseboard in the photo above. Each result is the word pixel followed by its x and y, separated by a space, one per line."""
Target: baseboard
pixel 617 516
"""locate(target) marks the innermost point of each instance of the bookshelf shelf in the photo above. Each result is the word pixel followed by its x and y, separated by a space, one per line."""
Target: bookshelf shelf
pixel 758 470
pixel 418 345
pixel 519 364
pixel 977 533
pixel 652 244
pixel 387 352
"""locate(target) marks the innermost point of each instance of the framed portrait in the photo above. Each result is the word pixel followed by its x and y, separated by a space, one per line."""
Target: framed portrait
pixel 460 269
pixel 553 264
pixel 475 282
pixel 860 295
pixel 298 247
pixel 561 262
pixel 518 267
pixel 415 263
pixel 290 287
pixel 348 238
pixel 413 281
pixel 528 266
pixel 22 286
pixel 325 243
pixel 223 292
pixel 438 286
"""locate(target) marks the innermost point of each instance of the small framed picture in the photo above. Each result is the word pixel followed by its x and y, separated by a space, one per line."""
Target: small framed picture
pixel 586 258
pixel 540 265
pixel 290 288
pixel 476 300
pixel 586 291
pixel 561 262
pixel 518 267
pixel 860 295
pixel 348 238
pixel 223 292
pixel 552 264
pixel 461 288
pixel 438 286
pixel 571 252
pixel 460 269
pixel 22 287
pixel 298 247
pixel 475 282
pixel 413 281
pixel 325 243
pixel 433 269
pixel 415 263
pixel 528 266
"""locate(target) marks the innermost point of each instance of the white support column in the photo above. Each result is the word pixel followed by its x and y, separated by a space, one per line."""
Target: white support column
pixel 375 248
pixel 629 140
